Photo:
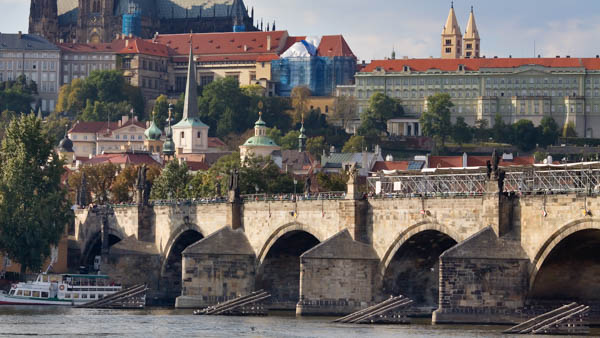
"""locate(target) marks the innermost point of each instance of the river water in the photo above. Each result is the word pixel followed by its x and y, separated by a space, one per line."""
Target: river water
pixel 71 322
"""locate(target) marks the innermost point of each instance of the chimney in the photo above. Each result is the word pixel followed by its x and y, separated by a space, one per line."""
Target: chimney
pixel 20 35
pixel 126 43
pixel 124 119
pixel 465 160
pixel 268 43
pixel 245 48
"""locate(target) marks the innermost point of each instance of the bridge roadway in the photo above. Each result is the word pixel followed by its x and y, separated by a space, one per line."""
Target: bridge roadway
pixel 489 257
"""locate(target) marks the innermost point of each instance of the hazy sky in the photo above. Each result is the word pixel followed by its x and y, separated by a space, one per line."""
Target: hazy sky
pixel 373 27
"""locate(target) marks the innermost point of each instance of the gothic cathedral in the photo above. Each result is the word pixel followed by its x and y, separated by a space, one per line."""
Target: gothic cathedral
pixel 94 21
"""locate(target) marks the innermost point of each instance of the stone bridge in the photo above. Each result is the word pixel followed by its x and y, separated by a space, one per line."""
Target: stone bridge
pixel 490 258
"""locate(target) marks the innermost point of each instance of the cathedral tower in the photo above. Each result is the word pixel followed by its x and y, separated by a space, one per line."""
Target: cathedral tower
pixel 471 39
pixel 96 22
pixel 43 19
pixel 451 37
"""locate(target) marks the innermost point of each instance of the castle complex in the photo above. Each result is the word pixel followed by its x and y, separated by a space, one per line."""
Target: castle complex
pixel 95 21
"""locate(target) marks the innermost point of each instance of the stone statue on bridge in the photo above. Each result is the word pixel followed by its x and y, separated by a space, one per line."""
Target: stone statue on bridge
pixel 82 192
pixel 234 189
pixel 143 186
pixel 307 184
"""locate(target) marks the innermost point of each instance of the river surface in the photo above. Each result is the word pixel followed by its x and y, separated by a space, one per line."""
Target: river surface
pixel 71 322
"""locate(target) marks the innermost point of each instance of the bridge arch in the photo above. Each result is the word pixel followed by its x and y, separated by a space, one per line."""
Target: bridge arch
pixel 411 231
pixel 93 245
pixel 284 229
pixel 171 266
pixel 411 265
pixel 278 269
pixel 558 238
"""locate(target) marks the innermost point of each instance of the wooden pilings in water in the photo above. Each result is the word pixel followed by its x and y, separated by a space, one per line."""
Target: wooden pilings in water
pixel 130 298
pixel 567 319
pixel 249 305
pixel 386 312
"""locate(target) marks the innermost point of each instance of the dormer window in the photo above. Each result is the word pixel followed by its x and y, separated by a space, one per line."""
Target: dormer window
pixel 405 68
pixel 461 68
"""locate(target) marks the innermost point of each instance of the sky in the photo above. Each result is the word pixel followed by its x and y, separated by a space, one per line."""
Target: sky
pixel 412 28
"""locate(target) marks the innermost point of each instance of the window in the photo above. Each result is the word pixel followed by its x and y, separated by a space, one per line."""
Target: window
pixel 448 42
pixel 126 63
pixel 207 79
pixel 448 50
pixel 199 134
pixel 27 293
pixel 469 46
pixel 182 135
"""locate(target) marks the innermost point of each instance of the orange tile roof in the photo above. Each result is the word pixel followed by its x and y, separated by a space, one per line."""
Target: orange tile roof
pixel 215 142
pixel 267 57
pixel 123 159
pixel 445 161
pixel 390 165
pixel 112 47
pixel 480 161
pixel 222 43
pixel 146 47
pixel 334 45
pixel 422 65
pixel 95 127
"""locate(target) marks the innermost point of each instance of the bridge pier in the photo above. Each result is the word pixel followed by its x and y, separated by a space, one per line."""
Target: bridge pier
pixel 337 277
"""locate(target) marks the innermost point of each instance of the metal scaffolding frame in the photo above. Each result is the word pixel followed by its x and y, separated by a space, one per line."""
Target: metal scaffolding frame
pixel 572 178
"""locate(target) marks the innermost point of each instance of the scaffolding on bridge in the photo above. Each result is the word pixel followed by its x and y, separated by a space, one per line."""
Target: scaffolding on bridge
pixel 540 178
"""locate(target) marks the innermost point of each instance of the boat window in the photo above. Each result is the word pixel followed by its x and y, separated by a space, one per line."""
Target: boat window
pixel 27 293
pixel 93 296
pixel 75 295
pixel 84 295
pixel 100 296
pixel 35 294
pixel 44 294
pixel 67 295
pixel 45 278
pixel 20 293
pixel 12 292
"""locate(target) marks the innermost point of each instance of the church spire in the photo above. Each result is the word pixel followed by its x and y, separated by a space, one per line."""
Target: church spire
pixel 302 137
pixel 190 104
pixel 471 38
pixel 451 37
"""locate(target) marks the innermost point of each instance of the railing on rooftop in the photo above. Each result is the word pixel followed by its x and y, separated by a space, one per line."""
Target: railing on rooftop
pixel 333 195
pixel 522 180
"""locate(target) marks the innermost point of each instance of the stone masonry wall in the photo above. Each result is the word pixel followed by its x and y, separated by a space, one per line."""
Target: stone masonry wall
pixel 212 278
pixel 336 286
pixel 481 290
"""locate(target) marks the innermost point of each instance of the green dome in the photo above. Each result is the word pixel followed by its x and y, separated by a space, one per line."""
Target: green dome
pixel 169 145
pixel 260 122
pixel 153 132
pixel 260 141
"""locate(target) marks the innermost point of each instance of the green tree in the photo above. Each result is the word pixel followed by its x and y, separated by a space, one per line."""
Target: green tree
pixel 123 188
pixel 316 145
pixel 525 135
pixel 381 109
pixel 34 208
pixel 332 182
pixel 290 140
pixel 17 95
pixel 300 96
pixel 461 132
pixel 56 125
pixel 435 121
pixel 345 110
pixel 481 132
pixel 569 130
pixel 355 144
pixel 173 182
pixel 106 87
pixel 502 132
pixel 224 107
pixel 161 111
pixel 548 131
pixel 274 134
pixel 100 178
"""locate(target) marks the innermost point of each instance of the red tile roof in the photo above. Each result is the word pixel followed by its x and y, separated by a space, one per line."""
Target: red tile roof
pixel 267 57
pixel 330 45
pixel 215 142
pixel 96 127
pixel 222 43
pixel 123 159
pixel 445 161
pixel 196 166
pixel 389 165
pixel 112 47
pixel 422 65
pixel 334 45
pixel 480 161
pixel 146 47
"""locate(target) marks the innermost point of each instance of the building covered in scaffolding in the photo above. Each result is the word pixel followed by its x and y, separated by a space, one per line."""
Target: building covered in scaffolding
pixel 319 63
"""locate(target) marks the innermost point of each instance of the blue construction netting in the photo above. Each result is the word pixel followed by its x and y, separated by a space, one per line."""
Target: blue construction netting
pixel 320 74
pixel 132 24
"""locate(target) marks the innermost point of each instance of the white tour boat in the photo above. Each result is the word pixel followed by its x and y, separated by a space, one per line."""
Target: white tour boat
pixel 65 289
